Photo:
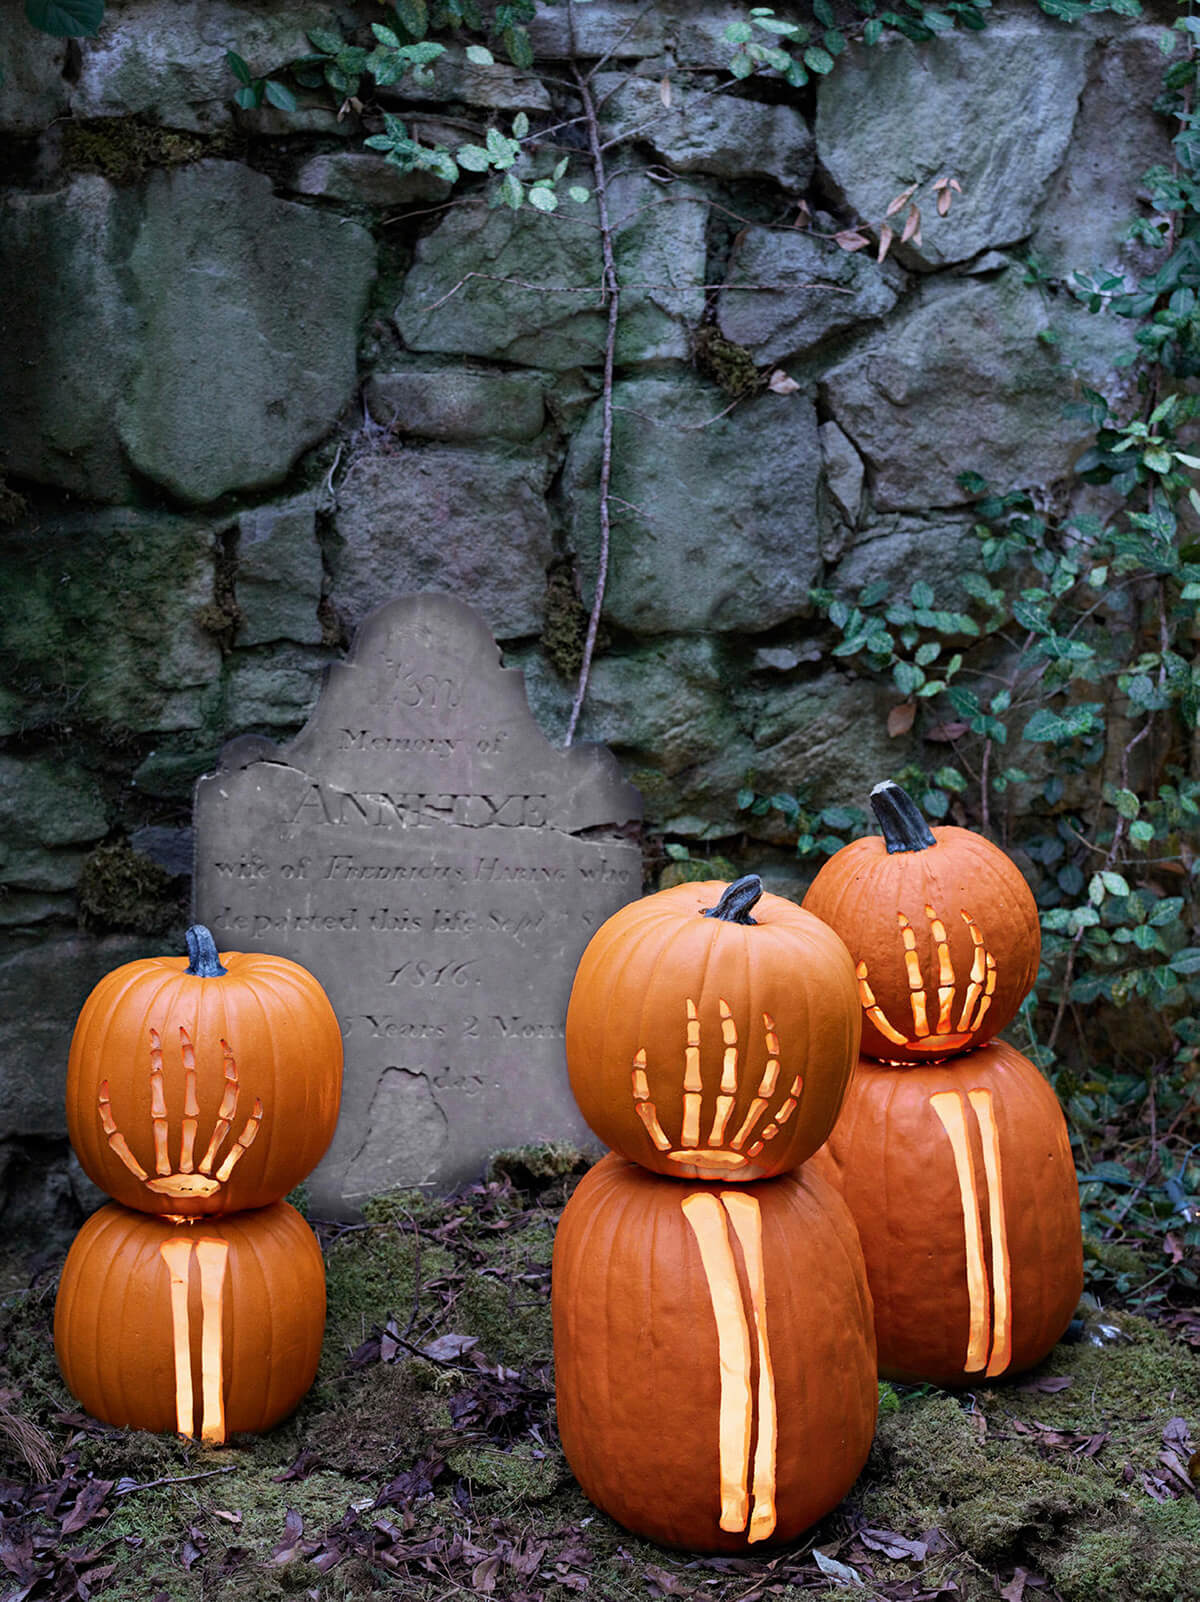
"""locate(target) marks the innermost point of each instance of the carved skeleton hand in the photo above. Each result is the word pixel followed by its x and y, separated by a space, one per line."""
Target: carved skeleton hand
pixel 189 1179
pixel 718 1151
pixel 943 1036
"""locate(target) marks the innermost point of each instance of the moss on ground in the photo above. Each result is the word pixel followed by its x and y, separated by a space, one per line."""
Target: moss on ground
pixel 423 1477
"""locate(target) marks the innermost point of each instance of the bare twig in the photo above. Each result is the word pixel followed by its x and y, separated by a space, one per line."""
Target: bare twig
pixel 177 1479
pixel 611 289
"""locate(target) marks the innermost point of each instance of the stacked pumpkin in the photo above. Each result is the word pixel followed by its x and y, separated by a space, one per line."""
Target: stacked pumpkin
pixel 951 1150
pixel 715 1360
pixel 200 1090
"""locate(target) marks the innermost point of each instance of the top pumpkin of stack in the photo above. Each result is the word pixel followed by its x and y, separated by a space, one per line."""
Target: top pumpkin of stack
pixel 943 930
pixel 712 1031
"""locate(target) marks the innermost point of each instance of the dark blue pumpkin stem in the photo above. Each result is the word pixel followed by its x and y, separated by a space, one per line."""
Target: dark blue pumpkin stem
pixel 202 954
pixel 736 900
pixel 904 827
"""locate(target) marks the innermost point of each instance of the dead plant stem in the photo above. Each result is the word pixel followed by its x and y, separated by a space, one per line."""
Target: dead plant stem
pixel 610 290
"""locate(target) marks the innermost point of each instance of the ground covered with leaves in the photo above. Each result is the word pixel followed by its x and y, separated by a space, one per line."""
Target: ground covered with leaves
pixel 425 1464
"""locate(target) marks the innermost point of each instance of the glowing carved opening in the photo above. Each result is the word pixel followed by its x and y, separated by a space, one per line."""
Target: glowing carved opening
pixel 177 1254
pixel 948 1105
pixel 950 1108
pixel 212 1256
pixel 981 1101
pixel 707 1223
pixel 714 1154
pixel 185 1181
pixel 736 1412
pixel 746 1219
pixel 943 1037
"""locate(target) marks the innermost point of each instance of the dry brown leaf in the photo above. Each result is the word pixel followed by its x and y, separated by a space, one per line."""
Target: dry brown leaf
pixel 943 202
pixel 893 1545
pixel 912 224
pixel 885 241
pixel 483 1575
pixel 900 719
pixel 946 733
pixel 780 384
pixel 902 199
pixel 851 239
pixel 664 91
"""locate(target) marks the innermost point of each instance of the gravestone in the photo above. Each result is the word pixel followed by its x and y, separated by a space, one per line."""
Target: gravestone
pixel 425 851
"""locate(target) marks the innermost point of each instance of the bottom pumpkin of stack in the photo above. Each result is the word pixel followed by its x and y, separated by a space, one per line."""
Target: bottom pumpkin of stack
pixel 961 1181
pixel 206 1327
pixel 714 1353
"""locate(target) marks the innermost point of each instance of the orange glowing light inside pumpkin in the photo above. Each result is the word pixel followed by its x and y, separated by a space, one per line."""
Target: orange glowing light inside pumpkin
pixel 212 1259
pixel 715 1153
pixel 943 1037
pixel 990 1320
pixel 184 1181
pixel 709 1220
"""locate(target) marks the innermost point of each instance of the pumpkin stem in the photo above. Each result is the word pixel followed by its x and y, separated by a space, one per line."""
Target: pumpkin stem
pixel 736 900
pixel 202 954
pixel 904 829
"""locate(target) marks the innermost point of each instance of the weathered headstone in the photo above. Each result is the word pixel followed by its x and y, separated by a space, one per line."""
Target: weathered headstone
pixel 426 852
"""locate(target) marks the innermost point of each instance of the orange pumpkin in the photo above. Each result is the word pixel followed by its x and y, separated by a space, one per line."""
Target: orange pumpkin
pixel 714 1361
pixel 961 1181
pixel 942 927
pixel 711 1031
pixel 208 1328
pixel 202 1084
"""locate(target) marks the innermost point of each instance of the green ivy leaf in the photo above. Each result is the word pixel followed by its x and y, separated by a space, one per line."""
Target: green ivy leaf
pixel 66 19
pixel 818 60
pixel 512 191
pixel 542 198
pixel 238 67
pixel 480 56
pixel 280 95
pixel 473 158
pixel 519 47
pixel 414 17
pixel 326 42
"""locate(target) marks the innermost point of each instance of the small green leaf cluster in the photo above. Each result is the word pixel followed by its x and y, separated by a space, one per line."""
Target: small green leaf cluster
pixel 764 41
pixel 253 91
pixel 819 831
pixel 402 50
pixel 341 65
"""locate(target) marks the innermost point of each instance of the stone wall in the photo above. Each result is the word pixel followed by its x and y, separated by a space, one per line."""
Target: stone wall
pixel 257 381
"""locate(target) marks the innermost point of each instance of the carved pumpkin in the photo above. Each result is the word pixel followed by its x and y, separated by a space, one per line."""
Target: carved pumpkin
pixel 942 928
pixel 208 1328
pixel 961 1181
pixel 711 1031
pixel 714 1361
pixel 202 1084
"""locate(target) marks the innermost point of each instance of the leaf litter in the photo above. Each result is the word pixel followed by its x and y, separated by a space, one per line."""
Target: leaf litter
pixel 425 1464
